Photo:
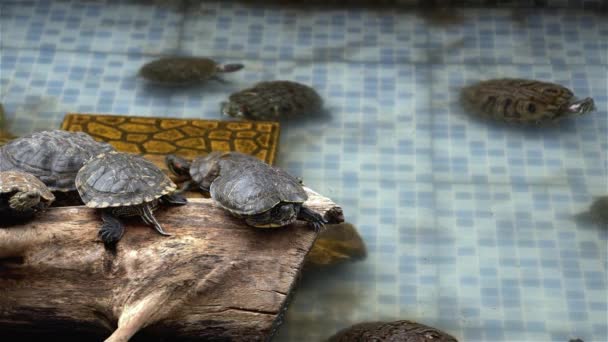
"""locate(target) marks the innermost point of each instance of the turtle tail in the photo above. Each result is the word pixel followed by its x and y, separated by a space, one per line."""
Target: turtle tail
pixel 230 67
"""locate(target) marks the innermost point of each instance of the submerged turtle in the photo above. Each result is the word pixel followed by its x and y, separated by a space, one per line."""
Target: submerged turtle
pixel 184 70
pixel 523 101
pixel 599 211
pixel 265 196
pixel 54 157
pixel 273 100
pixel 22 195
pixel 124 184
pixel 403 331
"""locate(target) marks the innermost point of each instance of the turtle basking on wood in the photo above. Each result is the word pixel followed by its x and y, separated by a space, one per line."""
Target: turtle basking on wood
pixel 265 196
pixel 123 184
pixel 273 100
pixel 403 331
pixel 22 195
pixel 179 71
pixel 54 156
pixel 523 101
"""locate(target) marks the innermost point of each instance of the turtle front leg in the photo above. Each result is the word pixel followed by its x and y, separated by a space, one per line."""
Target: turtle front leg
pixel 174 199
pixel 111 230
pixel 148 217
pixel 314 219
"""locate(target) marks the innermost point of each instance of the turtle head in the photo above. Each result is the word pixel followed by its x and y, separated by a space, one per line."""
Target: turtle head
pixel 235 110
pixel 230 67
pixel 581 107
pixel 178 165
pixel 24 200
pixel 207 169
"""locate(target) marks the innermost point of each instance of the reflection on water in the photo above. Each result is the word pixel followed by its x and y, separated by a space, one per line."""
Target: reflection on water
pixel 469 225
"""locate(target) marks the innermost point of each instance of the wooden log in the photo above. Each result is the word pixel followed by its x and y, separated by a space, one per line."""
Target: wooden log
pixel 213 279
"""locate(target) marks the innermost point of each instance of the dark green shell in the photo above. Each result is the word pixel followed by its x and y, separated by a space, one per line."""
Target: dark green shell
pixel 54 157
pixel 179 70
pixel 397 331
pixel 118 179
pixel 248 186
pixel 273 100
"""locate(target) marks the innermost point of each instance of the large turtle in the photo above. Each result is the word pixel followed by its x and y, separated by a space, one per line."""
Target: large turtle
pixel 54 156
pixel 265 196
pixel 184 70
pixel 523 101
pixel 402 331
pixel 22 195
pixel 273 100
pixel 123 184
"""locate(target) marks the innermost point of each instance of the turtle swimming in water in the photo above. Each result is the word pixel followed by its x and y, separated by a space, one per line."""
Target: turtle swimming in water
pixel 523 101
pixel 22 195
pixel 406 331
pixel 248 188
pixel 54 156
pixel 176 71
pixel 123 184
pixel 273 100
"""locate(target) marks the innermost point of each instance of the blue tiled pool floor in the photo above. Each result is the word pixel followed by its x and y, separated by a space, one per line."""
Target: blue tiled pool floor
pixel 469 224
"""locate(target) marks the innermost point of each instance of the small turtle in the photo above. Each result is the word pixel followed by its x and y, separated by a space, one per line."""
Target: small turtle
pixel 404 331
pixel 273 100
pixel 22 195
pixel 124 184
pixel 184 70
pixel 265 196
pixel 54 157
pixel 523 101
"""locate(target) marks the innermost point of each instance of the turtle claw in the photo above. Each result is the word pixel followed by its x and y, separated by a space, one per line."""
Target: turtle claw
pixel 111 230
pixel 174 199
pixel 314 219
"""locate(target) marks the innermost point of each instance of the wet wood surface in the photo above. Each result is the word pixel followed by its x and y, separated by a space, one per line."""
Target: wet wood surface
pixel 214 278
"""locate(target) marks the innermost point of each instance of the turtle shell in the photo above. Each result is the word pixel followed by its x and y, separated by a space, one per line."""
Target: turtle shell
pixel 248 186
pixel 15 181
pixel 273 100
pixel 179 70
pixel 517 100
pixel 54 157
pixel 116 179
pixel 391 331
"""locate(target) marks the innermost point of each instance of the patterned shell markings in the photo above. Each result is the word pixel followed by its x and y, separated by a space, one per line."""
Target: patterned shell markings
pixel 273 100
pixel 517 100
pixel 248 186
pixel 54 156
pixel 15 181
pixel 118 179
pixel 392 331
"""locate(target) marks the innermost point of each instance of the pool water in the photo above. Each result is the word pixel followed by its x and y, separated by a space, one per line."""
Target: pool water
pixel 471 226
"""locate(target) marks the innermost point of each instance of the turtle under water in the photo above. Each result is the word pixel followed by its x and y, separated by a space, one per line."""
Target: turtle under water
pixel 123 184
pixel 397 331
pixel 523 101
pixel 265 196
pixel 599 211
pixel 272 100
pixel 54 156
pixel 184 70
pixel 22 195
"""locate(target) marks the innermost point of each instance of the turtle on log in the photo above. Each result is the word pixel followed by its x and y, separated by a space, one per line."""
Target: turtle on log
pixel 248 188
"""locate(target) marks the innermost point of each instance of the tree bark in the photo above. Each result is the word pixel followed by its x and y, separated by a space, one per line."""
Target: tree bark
pixel 214 279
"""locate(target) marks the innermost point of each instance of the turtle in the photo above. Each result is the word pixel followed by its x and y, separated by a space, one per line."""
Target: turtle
pixel 523 101
pixel 124 184
pixel 53 156
pixel 22 195
pixel 402 330
pixel 264 196
pixel 272 100
pixel 179 71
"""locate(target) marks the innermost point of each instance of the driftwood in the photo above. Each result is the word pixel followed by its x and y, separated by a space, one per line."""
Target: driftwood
pixel 213 279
